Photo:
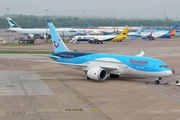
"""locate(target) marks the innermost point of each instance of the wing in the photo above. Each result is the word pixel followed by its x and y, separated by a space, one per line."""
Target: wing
pixel 81 66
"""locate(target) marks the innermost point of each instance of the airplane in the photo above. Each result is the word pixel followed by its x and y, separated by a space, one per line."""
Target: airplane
pixel 151 34
pixel 98 65
pixel 99 39
pixel 104 32
pixel 37 33
pixel 88 31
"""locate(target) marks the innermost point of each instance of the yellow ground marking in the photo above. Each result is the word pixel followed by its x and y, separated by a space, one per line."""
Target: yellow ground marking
pixel 56 80
pixel 3 114
pixel 96 110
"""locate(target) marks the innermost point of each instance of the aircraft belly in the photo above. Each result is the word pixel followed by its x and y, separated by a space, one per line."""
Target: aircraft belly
pixel 135 72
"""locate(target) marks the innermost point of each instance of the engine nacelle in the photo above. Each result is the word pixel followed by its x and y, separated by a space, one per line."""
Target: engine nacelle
pixel 97 73
pixel 30 36
pixel 143 37
pixel 90 41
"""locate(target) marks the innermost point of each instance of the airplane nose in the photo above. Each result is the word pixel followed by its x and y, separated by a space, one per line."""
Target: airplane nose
pixel 169 73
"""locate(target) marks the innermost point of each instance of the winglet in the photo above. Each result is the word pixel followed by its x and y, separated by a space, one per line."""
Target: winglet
pixel 141 54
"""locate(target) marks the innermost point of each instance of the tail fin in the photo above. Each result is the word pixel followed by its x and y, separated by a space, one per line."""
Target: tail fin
pixel 12 24
pixel 124 32
pixel 58 44
pixel 122 36
pixel 173 30
pixel 138 32
pixel 89 26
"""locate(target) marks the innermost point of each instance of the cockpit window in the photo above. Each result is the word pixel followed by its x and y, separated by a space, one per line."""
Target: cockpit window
pixel 160 66
pixel 163 66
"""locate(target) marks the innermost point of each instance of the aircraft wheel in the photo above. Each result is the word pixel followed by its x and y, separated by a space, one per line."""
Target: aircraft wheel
pixel 101 42
pixel 97 42
pixel 157 82
pixel 120 40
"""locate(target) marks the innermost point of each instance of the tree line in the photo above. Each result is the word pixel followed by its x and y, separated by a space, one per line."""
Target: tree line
pixel 31 21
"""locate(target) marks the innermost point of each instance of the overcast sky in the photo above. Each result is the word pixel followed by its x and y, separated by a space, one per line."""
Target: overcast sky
pixel 104 8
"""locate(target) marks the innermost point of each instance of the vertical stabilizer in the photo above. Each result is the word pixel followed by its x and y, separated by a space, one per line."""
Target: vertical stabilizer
pixel 173 30
pixel 12 24
pixel 58 44
pixel 138 32
pixel 89 26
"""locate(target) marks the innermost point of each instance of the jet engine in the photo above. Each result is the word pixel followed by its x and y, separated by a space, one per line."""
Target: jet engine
pixel 30 36
pixel 143 37
pixel 97 73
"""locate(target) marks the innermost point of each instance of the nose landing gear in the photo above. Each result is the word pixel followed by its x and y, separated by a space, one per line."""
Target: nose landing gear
pixel 157 80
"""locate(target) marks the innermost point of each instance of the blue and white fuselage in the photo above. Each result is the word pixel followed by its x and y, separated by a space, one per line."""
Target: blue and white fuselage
pixel 98 65
pixel 122 64
pixel 151 34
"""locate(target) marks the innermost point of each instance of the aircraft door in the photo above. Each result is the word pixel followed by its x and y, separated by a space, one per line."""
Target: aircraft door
pixel 88 59
pixel 126 66
pixel 149 67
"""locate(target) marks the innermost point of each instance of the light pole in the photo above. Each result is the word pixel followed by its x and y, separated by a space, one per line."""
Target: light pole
pixel 164 19
pixel 84 21
pixel 152 19
pixel 137 20
pixel 46 24
pixel 7 27
pixel 29 20
pixel 113 20
pixel 176 17
pixel 131 19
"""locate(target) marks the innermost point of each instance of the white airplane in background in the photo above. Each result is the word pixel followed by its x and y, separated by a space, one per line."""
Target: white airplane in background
pixel 100 38
pixel 37 33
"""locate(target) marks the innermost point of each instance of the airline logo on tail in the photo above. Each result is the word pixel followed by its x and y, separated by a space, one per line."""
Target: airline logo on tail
pixel 12 24
pixel 89 26
pixel 55 44
pixel 139 30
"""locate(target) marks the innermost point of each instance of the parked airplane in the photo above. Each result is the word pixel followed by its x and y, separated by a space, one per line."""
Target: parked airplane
pixel 104 32
pixel 98 65
pixel 99 39
pixel 89 31
pixel 38 32
pixel 151 34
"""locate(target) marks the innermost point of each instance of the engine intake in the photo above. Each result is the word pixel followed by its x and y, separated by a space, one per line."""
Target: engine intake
pixel 97 73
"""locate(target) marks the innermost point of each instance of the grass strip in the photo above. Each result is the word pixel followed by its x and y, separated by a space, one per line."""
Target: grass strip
pixel 27 52
pixel 9 44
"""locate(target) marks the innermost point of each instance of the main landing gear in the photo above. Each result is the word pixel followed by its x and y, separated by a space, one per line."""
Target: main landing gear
pixel 113 76
pixel 157 80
